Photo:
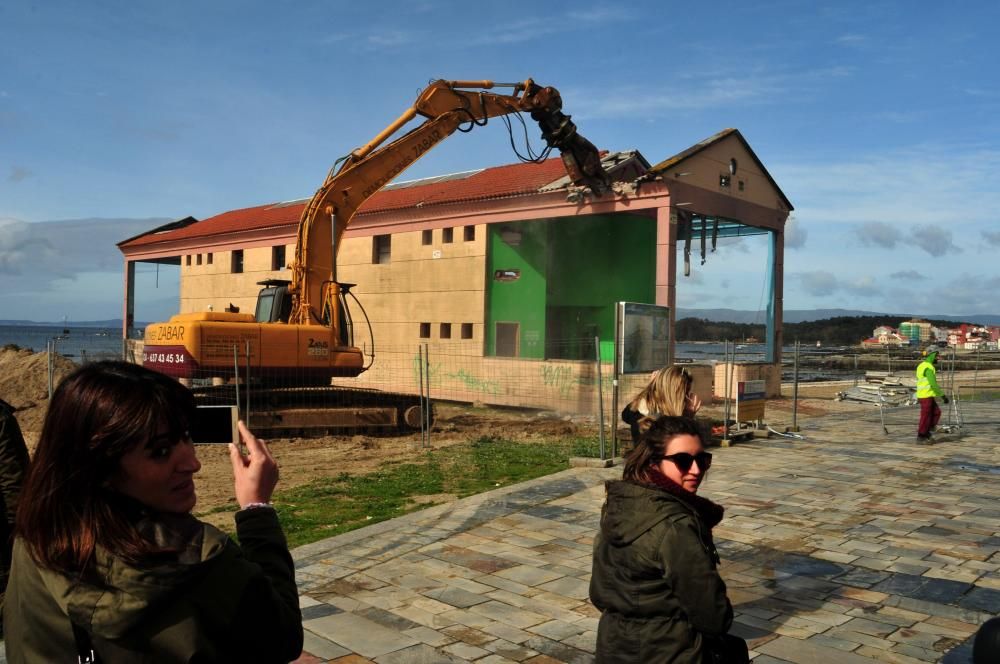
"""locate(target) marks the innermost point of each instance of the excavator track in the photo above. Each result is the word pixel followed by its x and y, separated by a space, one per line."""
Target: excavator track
pixel 318 411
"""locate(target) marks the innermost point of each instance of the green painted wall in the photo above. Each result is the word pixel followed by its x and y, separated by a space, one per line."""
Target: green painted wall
pixel 521 301
pixel 572 271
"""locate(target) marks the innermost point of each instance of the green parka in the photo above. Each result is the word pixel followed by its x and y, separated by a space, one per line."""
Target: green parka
pixel 654 577
pixel 213 601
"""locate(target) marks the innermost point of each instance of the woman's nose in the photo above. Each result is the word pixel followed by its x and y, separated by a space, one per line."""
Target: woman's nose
pixel 188 461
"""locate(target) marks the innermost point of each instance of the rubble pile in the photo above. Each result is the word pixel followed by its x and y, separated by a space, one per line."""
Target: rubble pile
pixel 24 383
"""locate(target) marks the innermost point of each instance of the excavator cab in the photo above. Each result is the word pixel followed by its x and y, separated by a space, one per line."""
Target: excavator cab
pixel 274 302
pixel 274 305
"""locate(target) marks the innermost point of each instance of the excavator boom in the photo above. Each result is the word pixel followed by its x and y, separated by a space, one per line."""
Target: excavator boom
pixel 301 333
pixel 446 106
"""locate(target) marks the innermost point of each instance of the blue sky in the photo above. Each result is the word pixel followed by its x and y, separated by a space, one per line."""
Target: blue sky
pixel 879 120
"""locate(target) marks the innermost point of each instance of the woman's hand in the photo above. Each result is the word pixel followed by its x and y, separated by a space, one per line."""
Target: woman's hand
pixel 256 474
pixel 692 404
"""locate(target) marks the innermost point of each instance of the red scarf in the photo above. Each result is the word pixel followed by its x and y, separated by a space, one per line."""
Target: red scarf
pixel 710 512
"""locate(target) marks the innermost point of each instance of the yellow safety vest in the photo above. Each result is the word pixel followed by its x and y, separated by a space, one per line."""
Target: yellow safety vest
pixel 927 381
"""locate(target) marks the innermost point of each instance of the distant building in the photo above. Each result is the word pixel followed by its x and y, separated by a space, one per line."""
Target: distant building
pixel 916 331
pixel 885 337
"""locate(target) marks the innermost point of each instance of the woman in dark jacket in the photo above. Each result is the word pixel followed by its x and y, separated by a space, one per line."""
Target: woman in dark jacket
pixel 654 574
pixel 108 557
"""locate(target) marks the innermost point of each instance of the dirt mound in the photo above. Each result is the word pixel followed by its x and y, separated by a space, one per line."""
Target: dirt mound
pixel 24 384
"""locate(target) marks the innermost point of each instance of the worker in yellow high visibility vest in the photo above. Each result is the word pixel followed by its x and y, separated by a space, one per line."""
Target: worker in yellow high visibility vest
pixel 927 390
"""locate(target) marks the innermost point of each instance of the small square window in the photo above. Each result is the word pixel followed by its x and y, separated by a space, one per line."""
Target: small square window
pixel 427 237
pixel 198 259
pixel 466 330
pixel 425 330
pixel 741 185
pixel 470 233
pixel 236 266
pixel 447 235
pixel 278 257
pixel 381 249
pixel 187 259
pixel 724 181
pixel 208 258
pixel 445 332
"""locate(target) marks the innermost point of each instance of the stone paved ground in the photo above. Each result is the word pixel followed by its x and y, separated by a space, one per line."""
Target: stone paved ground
pixel 851 546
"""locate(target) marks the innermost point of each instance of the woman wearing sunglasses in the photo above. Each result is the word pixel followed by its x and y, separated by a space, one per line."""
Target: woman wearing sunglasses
pixel 654 575
pixel 669 392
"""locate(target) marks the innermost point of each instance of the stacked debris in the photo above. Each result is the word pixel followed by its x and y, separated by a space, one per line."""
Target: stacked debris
pixel 882 388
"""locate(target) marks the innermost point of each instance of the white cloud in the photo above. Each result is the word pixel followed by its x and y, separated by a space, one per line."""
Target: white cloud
pixel 923 185
pixel 992 238
pixel 821 283
pixel 701 90
pixel 18 174
pixel 879 234
pixel 934 240
pixel 54 264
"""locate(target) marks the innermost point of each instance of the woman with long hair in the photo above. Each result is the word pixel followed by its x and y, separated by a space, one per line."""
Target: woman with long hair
pixel 654 575
pixel 670 391
pixel 109 562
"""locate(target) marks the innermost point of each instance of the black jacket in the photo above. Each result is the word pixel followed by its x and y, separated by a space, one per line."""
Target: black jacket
pixel 212 602
pixel 654 576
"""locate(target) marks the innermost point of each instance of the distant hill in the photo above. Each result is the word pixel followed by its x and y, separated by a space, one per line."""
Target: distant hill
pixel 805 315
pixel 110 322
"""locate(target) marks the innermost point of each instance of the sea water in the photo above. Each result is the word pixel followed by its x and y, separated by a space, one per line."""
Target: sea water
pixel 73 342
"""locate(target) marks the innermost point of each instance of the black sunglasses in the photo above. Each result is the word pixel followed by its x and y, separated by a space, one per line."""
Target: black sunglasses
pixel 683 460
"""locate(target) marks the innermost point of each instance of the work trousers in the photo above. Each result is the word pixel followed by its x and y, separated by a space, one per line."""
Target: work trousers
pixel 930 414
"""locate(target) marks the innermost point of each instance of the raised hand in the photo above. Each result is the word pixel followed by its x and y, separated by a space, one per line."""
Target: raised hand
pixel 256 474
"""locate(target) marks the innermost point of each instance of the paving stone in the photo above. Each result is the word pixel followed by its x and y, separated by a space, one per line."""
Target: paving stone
pixel 418 654
pixel 807 652
pixel 455 597
pixel 322 648
pixel 318 610
pixel 508 614
pixel 529 576
pixel 359 635
pixel 559 652
pixel 982 599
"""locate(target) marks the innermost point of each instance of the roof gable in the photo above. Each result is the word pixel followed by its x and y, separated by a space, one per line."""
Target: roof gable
pixel 705 163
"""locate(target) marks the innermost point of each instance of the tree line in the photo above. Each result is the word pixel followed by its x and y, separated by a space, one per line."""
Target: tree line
pixel 838 331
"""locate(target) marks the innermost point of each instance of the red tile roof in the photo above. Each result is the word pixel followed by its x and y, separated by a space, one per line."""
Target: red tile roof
pixel 497 182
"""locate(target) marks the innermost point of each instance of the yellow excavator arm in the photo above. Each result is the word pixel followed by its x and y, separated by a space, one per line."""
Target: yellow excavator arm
pixel 446 105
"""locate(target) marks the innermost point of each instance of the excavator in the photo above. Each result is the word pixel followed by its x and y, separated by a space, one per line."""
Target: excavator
pixel 302 330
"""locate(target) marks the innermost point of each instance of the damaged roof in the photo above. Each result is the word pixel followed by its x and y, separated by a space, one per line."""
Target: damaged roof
pixel 520 179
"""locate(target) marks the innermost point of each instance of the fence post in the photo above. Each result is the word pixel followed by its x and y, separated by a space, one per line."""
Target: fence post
pixel 247 388
pixel 795 389
pixel 427 373
pixel 50 346
pixel 423 422
pixel 600 396
pixel 236 376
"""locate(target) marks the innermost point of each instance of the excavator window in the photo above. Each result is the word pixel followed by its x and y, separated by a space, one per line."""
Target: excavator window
pixel 274 304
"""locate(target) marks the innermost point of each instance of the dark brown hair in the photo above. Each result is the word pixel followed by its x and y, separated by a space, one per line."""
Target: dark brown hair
pixel 96 415
pixel 653 443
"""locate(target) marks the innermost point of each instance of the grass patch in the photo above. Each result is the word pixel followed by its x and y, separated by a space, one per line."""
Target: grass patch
pixel 335 505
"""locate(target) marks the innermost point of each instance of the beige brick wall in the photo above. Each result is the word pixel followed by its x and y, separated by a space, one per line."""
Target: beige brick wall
pixel 214 283
pixel 436 283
